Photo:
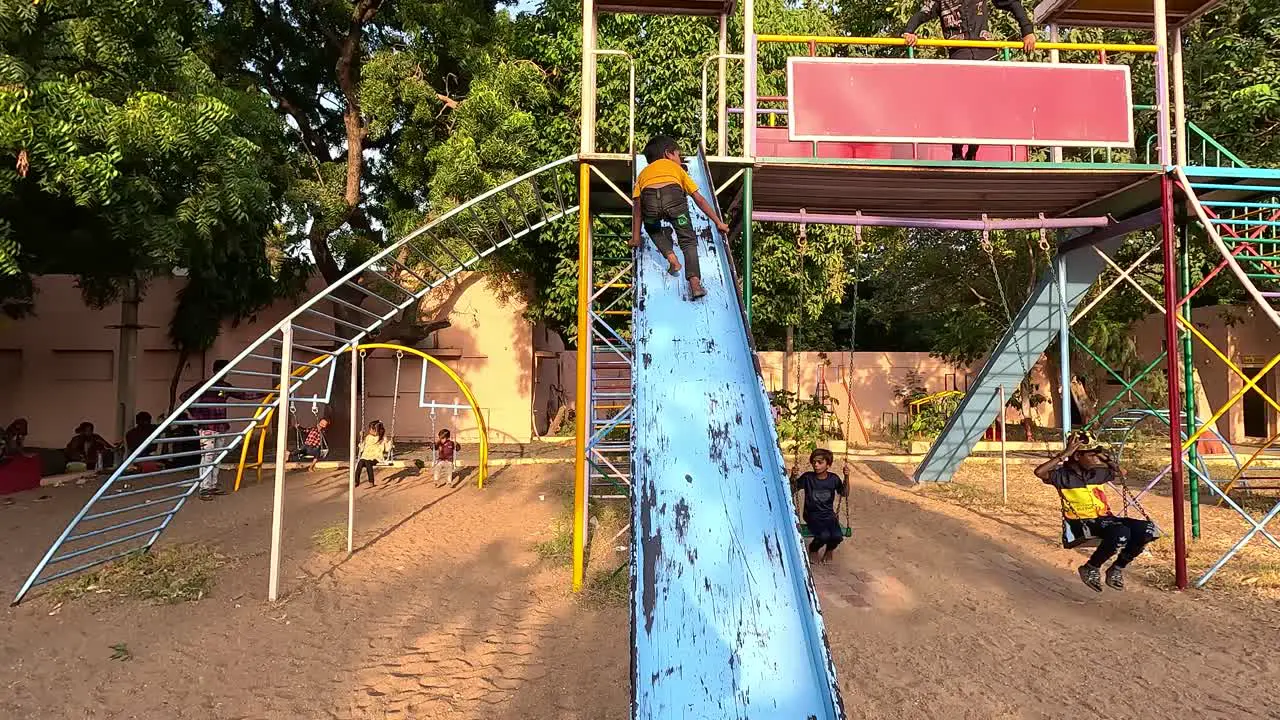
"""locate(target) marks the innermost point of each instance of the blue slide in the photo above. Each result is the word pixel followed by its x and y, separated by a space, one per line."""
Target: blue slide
pixel 724 617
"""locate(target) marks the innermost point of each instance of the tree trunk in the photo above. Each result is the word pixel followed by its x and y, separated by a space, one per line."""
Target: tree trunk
pixel 1085 404
pixel 183 356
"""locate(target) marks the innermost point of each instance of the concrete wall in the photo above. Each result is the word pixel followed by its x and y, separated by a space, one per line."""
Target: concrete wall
pixel 58 367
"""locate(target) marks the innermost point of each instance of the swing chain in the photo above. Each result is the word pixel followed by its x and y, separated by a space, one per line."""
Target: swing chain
pixel 1044 237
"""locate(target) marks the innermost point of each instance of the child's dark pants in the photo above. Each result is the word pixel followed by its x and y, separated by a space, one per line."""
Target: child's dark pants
pixel 826 532
pixel 367 466
pixel 959 152
pixel 1132 532
pixel 671 204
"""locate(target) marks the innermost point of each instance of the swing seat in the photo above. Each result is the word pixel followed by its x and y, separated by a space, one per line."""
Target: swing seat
pixel 1077 533
pixel 805 532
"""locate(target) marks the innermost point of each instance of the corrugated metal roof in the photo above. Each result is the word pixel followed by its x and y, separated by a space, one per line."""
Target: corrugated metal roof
pixel 1118 13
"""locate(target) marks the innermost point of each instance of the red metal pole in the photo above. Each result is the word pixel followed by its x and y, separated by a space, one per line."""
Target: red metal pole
pixel 1176 474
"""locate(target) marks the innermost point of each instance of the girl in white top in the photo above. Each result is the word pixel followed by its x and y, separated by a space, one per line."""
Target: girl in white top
pixel 373 449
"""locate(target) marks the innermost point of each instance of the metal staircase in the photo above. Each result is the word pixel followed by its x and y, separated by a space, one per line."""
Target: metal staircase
pixel 137 502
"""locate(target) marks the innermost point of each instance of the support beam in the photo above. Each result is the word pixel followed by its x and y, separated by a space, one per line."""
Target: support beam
pixel 127 358
pixel 1179 99
pixel 722 114
pixel 749 78
pixel 588 100
pixel 1165 139
pixel 1176 475
pixel 353 434
pixel 931 223
pixel 1146 220
pixel 747 216
pixel 282 451
pixel 583 414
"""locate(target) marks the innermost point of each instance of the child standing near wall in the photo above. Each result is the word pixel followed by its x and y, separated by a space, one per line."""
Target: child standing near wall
pixel 661 195
pixel 445 449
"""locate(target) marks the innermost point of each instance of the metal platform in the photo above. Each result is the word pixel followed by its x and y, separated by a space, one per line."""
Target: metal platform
pixel 710 8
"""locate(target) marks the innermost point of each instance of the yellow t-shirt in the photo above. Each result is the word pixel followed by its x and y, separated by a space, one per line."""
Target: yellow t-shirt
pixel 664 172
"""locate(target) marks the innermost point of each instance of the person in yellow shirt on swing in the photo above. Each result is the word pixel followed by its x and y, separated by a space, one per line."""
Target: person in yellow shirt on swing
pixel 661 195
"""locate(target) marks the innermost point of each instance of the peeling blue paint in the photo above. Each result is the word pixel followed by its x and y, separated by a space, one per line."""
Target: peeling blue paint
pixel 737 617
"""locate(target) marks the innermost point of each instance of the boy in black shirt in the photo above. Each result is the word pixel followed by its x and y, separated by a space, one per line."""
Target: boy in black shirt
pixel 820 487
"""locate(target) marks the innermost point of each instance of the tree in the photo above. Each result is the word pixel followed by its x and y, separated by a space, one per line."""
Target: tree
pixel 127 157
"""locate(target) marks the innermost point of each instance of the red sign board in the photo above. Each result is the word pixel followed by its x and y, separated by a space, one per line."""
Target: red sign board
pixel 960 101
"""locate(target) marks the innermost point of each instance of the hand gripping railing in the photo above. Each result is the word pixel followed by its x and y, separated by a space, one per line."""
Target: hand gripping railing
pixel 137 502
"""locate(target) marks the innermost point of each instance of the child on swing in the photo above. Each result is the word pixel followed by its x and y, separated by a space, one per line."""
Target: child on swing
pixel 820 487
pixel 313 442
pixel 373 450
pixel 1079 473
pixel 445 449
pixel 662 193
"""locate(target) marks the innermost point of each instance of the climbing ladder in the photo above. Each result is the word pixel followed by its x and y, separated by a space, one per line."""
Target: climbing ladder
pixel 609 447
pixel 135 505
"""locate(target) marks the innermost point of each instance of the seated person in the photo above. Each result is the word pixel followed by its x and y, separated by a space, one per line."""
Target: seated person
pixel 1080 472
pixel 85 449
pixel 820 487
pixel 313 443
pixel 15 438
pixel 141 430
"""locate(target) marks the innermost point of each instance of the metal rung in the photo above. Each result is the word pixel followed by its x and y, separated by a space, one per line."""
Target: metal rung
pixel 255 373
pixel 338 321
pixel 413 274
pixel 211 421
pixel 131 508
pixel 299 347
pixel 1266 223
pixel 610 497
pixel 223 405
pixel 371 293
pixel 107 544
pixel 80 568
pixel 120 526
pixel 191 453
pixel 253 390
pixel 321 333
pixel 616 312
pixel 613 285
pixel 357 308
pixel 299 363
pixel 392 283
pixel 188 482
pixel 1246 188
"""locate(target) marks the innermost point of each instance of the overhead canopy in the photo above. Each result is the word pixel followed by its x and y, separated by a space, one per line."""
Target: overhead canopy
pixel 711 8
pixel 1136 14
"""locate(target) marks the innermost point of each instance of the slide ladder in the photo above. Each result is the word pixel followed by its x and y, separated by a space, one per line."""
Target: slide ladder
pixel 131 509
pixel 725 618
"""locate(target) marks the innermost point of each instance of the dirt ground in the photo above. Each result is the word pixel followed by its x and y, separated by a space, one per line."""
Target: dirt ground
pixel 943 605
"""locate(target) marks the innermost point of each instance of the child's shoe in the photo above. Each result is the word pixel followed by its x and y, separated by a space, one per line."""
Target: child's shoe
pixel 1115 577
pixel 695 288
pixel 1091 576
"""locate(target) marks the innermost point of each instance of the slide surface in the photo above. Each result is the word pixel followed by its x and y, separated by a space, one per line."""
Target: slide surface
pixel 725 620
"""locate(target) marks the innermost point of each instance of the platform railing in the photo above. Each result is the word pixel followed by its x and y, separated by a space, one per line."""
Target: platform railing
pixel 810 43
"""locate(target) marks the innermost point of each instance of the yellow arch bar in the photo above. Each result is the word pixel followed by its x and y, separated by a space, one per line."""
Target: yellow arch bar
pixel 466 391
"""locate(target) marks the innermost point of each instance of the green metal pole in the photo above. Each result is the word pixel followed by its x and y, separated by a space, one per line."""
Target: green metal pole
pixel 746 242
pixel 1188 365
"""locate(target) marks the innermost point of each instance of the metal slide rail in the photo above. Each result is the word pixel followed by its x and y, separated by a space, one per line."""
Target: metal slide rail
pixel 725 617
pixel 131 509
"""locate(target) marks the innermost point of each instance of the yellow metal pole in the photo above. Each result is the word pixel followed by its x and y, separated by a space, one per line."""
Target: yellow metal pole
pixel 582 402
pixel 1252 384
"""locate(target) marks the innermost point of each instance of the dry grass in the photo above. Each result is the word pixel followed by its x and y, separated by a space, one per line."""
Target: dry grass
pixel 331 539
pixel 179 573
pixel 608 588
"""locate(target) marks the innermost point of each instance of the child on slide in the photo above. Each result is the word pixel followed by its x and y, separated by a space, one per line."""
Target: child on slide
pixel 661 194
pixel 1080 472
pixel 820 487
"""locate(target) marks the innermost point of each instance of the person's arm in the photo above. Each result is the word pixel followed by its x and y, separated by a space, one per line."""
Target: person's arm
pixel 705 207
pixel 635 222
pixel 1025 27
pixel 1045 470
pixel 928 9
pixel 842 487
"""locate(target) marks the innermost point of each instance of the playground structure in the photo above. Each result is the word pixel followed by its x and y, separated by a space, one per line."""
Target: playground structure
pixel 266 412
pixel 702 468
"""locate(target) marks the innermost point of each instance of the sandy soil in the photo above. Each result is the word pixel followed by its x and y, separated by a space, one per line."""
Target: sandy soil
pixel 939 607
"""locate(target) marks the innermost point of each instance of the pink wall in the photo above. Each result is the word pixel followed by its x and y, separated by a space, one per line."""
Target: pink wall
pixel 59 367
